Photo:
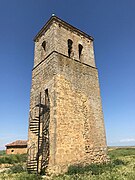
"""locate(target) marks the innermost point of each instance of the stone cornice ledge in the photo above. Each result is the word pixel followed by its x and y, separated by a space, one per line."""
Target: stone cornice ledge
pixel 64 56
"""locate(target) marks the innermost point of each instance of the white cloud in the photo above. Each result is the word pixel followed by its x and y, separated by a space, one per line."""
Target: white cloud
pixel 127 140
pixel 122 142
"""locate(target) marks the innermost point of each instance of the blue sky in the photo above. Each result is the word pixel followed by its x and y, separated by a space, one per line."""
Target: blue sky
pixel 110 22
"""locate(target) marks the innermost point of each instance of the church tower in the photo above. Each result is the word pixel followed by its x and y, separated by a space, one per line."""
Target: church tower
pixel 66 124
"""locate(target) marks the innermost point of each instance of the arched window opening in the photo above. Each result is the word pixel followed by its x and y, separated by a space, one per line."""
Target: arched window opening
pixel 80 48
pixel 70 42
pixel 44 45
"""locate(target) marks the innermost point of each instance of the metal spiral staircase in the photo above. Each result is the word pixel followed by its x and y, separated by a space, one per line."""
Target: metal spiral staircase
pixel 38 152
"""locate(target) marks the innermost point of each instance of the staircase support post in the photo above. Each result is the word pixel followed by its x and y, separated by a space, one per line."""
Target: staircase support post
pixel 39 134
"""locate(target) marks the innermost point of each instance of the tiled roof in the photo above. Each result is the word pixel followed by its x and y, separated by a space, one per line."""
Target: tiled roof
pixel 17 143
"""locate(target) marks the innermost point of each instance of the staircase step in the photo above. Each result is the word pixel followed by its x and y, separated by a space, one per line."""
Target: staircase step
pixel 31 170
pixel 33 126
pixel 34 123
pixel 37 117
pixel 34 131
pixel 31 167
pixel 32 162
pixel 34 120
pixel 41 105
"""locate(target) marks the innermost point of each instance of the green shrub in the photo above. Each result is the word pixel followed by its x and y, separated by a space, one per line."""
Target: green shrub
pixel 118 162
pixel 21 157
pixel 75 169
pixel 17 169
pixel 26 176
pixel 20 176
pixel 13 158
pixel 2 152
pixel 121 152
pixel 95 169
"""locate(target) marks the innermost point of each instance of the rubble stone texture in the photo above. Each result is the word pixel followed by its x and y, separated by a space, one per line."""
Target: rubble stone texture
pixel 76 129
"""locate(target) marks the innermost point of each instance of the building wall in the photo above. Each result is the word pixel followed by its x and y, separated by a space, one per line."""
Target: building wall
pixel 43 77
pixel 16 150
pixel 79 131
pixel 76 130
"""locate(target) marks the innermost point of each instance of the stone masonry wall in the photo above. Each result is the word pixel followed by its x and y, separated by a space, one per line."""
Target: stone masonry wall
pixel 56 37
pixel 80 135
pixel 76 120
pixel 76 130
pixel 62 34
pixel 16 150
pixel 42 78
pixel 39 53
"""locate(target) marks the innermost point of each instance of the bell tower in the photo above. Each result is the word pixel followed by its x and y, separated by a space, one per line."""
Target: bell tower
pixel 66 124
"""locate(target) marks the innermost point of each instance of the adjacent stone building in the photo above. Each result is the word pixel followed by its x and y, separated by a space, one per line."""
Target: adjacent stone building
pixel 17 147
pixel 66 124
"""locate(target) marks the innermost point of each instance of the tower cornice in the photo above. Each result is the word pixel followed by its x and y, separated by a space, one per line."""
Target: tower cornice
pixel 61 22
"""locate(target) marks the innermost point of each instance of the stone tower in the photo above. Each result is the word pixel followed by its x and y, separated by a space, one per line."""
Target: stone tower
pixel 66 123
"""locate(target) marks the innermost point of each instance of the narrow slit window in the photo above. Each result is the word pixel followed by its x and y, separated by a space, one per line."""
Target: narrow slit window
pixel 80 48
pixel 44 45
pixel 47 101
pixel 70 42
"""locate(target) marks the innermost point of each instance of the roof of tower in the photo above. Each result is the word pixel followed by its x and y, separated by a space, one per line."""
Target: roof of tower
pixel 55 18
